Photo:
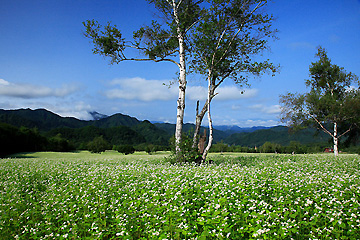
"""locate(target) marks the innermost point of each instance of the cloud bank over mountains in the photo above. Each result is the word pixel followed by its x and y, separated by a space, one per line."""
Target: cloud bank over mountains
pixel 138 97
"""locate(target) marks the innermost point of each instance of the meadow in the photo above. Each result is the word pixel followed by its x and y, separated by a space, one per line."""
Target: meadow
pixel 240 196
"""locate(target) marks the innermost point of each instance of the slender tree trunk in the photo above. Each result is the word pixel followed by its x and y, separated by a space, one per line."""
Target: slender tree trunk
pixel 336 140
pixel 210 90
pixel 198 121
pixel 180 108
pixel 182 83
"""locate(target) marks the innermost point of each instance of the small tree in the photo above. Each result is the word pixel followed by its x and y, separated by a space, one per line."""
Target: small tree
pixel 269 147
pixel 333 100
pixel 226 45
pixel 220 147
pixel 125 149
pixel 190 153
pixel 98 145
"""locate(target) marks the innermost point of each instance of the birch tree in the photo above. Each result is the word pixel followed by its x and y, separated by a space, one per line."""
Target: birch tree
pixel 333 100
pixel 157 42
pixel 226 45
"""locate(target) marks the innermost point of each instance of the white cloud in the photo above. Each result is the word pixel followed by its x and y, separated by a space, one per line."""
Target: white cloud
pixel 223 93
pixel 79 110
pixel 26 91
pixel 196 93
pixel 3 82
pixel 151 90
pixel 243 122
pixel 274 109
pixel 264 123
pixel 140 89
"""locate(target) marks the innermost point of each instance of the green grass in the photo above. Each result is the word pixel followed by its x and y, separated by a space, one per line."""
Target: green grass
pixel 241 196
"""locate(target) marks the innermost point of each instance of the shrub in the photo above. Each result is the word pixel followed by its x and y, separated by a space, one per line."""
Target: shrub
pixel 59 144
pixel 98 145
pixel 188 153
pixel 125 149
pixel 269 147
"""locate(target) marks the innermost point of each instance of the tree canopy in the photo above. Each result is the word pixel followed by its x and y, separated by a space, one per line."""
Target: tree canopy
pixel 227 45
pixel 218 38
pixel 333 99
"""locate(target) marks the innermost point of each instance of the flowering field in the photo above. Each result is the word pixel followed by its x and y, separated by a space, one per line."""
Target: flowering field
pixel 111 196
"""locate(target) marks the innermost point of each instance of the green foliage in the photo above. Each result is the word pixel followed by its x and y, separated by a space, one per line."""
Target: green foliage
pixel 111 196
pixel 150 148
pixel 220 147
pixel 157 42
pixel 114 135
pixel 269 147
pixel 188 154
pixel 98 145
pixel 41 119
pixel 125 149
pixel 228 40
pixel 152 134
pixel 59 144
pixel 334 97
pixel 280 135
pixel 13 139
pixel 46 121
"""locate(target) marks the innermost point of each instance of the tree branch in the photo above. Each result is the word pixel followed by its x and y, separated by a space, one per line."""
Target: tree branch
pixel 345 132
pixel 238 31
pixel 322 126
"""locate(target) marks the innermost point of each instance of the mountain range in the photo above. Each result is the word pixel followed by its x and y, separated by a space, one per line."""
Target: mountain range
pixel 120 128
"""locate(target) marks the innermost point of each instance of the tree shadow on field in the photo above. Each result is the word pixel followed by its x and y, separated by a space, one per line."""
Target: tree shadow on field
pixel 20 155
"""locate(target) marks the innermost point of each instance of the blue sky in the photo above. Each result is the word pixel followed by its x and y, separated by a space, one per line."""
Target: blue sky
pixel 46 62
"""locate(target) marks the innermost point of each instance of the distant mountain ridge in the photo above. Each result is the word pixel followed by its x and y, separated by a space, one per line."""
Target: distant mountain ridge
pixel 127 127
pixel 278 134
pixel 116 129
pixel 45 120
pixel 237 129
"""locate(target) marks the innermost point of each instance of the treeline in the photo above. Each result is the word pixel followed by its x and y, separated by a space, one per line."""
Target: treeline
pixel 14 139
pixel 141 134
pixel 123 139
pixel 294 147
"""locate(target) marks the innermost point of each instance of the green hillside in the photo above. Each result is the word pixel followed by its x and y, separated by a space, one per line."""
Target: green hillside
pixel 279 134
pixel 41 119
pixel 120 129
pixel 188 128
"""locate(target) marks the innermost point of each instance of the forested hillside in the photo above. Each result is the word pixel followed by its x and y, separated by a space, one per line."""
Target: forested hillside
pixel 56 133
pixel 280 135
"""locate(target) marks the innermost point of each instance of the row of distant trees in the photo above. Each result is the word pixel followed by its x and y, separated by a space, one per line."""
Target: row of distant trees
pixel 15 140
pixel 99 144
pixel 294 147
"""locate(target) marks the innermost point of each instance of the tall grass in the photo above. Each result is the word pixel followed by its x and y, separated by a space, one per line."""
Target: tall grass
pixel 112 196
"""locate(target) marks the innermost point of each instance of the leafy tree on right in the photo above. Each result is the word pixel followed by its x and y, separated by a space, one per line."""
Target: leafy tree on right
pixel 333 100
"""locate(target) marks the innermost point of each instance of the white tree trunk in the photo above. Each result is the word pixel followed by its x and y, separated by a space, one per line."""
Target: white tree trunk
pixel 182 82
pixel 180 108
pixel 336 140
pixel 198 120
pixel 210 88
